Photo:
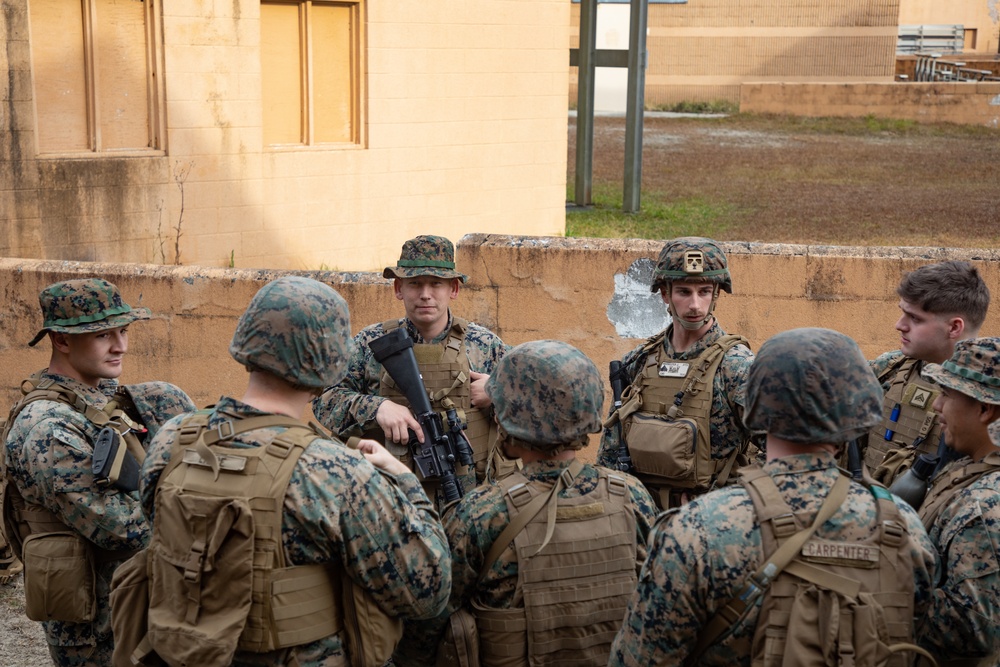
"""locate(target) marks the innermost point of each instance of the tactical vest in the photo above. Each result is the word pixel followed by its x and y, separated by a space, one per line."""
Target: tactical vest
pixel 915 423
pixel 574 591
pixel 952 480
pixel 872 580
pixel 212 498
pixel 666 421
pixel 38 536
pixel 445 370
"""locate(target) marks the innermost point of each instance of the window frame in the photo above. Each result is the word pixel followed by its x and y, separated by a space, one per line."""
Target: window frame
pixel 357 64
pixel 156 129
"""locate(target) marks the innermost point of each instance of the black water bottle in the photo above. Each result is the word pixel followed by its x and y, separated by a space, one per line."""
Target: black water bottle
pixel 912 486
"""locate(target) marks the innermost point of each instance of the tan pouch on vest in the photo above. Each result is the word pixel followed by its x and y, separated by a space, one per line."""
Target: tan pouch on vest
pixel 371 634
pixel 827 629
pixel 58 578
pixel 459 646
pixel 663 449
pixel 893 465
pixel 200 578
pixel 129 607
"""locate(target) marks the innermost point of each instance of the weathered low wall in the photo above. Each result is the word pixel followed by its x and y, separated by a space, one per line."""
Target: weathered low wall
pixel 972 103
pixel 579 290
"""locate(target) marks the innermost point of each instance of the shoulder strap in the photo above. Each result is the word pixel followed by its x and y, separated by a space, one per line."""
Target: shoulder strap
pixel 529 512
pixel 734 610
pixel 900 367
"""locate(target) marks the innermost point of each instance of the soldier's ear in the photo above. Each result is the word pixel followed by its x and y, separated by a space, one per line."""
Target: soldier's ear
pixel 59 341
pixel 397 287
pixel 456 284
pixel 956 327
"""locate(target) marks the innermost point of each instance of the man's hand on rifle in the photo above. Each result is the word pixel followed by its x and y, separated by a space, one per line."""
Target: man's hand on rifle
pixel 477 390
pixel 380 457
pixel 395 419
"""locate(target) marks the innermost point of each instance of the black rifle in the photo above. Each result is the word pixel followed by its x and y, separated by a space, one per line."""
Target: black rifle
pixel 854 462
pixel 437 456
pixel 617 387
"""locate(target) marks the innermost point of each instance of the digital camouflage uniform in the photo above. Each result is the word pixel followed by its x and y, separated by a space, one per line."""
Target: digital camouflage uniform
pixel 49 457
pixel 537 418
pixel 693 259
pixel 963 521
pixel 338 508
pixel 701 554
pixel 349 407
pixel 727 430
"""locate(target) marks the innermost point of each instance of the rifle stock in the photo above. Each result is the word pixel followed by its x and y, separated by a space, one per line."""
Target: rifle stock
pixel 435 458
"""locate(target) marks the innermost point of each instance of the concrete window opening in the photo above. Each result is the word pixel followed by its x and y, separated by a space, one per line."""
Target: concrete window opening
pixel 311 64
pixel 93 68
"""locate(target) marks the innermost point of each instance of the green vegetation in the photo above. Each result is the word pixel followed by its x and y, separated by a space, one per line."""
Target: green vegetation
pixel 657 218
pixel 688 106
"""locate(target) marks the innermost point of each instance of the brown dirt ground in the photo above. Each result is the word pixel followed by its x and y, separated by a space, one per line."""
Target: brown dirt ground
pixel 829 181
pixel 22 643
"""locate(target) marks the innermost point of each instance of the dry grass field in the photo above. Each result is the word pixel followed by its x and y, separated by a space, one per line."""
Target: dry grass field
pixel 795 180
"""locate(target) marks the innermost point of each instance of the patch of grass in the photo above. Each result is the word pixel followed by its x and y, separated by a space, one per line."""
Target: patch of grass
pixel 866 126
pixel 690 106
pixel 658 217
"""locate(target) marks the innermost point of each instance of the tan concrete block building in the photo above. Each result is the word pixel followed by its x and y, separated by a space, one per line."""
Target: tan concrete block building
pixel 705 50
pixel 299 134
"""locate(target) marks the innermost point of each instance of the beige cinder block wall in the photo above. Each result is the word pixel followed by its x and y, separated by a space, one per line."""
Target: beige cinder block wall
pixel 583 291
pixel 965 103
pixel 703 51
pixel 464 130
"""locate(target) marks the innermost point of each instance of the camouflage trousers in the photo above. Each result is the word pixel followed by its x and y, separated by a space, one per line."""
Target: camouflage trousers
pixel 82 656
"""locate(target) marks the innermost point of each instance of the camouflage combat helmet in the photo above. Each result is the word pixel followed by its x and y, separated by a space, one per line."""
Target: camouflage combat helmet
pixel 157 402
pixel 84 305
pixel 426 256
pixel 547 395
pixel 812 386
pixel 692 257
pixel 973 370
pixel 298 329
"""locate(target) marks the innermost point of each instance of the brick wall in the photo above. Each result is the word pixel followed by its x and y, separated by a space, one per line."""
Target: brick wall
pixel 972 103
pixel 525 288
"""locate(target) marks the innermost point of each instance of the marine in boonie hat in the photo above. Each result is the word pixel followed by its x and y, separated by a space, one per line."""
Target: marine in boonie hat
pixel 426 256
pixel 973 370
pixel 84 305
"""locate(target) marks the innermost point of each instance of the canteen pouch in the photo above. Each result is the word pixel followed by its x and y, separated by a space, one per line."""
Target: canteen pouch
pixel 371 635
pixel 459 646
pixel 662 449
pixel 59 581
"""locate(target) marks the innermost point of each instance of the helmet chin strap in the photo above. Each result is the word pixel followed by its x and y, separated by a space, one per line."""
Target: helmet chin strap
pixel 694 326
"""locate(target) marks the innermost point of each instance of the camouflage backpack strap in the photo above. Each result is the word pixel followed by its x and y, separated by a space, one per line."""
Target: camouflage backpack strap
pixel 731 613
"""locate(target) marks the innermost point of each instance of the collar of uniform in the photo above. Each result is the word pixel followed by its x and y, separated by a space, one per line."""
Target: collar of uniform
pixel 411 329
pixel 797 463
pixel 547 469
pixel 228 408
pixel 713 334
pixel 95 396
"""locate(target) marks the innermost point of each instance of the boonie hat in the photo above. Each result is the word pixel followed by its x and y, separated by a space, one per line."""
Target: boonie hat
pixel 83 306
pixel 974 369
pixel 426 256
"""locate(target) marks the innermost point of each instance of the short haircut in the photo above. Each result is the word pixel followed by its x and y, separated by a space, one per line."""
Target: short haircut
pixel 952 287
